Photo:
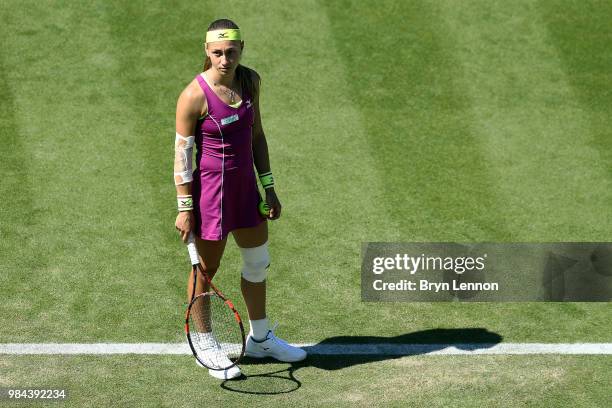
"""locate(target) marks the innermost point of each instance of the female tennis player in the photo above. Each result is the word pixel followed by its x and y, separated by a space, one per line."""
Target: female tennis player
pixel 219 113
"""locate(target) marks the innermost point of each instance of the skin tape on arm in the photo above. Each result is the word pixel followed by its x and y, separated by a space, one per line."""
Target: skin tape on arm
pixel 183 149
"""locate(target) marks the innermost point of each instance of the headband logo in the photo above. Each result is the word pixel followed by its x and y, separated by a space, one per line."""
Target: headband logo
pixel 223 35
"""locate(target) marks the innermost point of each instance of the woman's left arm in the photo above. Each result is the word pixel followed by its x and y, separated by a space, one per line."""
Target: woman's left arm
pixel 260 152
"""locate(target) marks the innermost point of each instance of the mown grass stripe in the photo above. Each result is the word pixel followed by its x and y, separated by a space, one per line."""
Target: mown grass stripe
pixel 93 224
pixel 418 123
pixel 16 211
pixel 530 124
pixel 326 178
pixel 586 66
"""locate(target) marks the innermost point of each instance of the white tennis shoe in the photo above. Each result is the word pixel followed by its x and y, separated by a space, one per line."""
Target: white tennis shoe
pixel 218 359
pixel 273 347
pixel 213 356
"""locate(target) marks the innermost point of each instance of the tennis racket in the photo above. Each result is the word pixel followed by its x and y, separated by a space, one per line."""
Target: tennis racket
pixel 213 326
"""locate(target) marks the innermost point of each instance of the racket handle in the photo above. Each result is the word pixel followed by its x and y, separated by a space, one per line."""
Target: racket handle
pixel 193 252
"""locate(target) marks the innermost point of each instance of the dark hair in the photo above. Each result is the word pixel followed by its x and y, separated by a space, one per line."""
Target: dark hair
pixel 245 76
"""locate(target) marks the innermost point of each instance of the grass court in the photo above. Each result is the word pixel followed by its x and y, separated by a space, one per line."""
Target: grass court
pixel 450 121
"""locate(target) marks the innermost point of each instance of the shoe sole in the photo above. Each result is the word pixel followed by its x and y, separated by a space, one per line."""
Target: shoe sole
pixel 216 373
pixel 256 354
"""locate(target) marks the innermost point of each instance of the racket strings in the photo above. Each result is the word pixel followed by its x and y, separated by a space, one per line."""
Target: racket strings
pixel 215 333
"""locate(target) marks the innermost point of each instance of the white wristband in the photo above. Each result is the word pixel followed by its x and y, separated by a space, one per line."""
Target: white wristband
pixel 185 203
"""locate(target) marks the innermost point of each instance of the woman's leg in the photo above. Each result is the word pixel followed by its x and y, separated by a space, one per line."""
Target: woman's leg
pixel 254 293
pixel 261 342
pixel 211 253
pixel 210 257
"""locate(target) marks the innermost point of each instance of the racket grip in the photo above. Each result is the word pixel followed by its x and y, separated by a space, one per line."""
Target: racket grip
pixel 193 251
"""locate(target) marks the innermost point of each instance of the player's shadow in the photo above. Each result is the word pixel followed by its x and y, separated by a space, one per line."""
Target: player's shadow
pixel 335 353
pixel 339 352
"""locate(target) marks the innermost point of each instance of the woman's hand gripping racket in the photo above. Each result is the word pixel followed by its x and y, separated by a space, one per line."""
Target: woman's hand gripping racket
pixel 213 326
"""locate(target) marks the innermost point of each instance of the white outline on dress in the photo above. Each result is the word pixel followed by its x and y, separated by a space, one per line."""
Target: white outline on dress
pixel 222 151
pixel 222 170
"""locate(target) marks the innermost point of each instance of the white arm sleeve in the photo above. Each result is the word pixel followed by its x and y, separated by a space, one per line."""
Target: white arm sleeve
pixel 183 149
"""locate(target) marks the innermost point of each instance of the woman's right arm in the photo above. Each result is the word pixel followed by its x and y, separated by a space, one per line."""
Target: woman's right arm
pixel 188 109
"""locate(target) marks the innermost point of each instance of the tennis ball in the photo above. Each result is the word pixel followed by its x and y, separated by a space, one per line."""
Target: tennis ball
pixel 264 209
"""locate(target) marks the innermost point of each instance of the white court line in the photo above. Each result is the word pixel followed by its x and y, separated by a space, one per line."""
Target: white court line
pixel 319 349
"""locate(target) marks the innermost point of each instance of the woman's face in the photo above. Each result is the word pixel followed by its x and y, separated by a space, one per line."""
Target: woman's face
pixel 224 55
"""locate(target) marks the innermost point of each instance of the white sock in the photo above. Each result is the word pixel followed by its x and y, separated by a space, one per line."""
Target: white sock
pixel 259 328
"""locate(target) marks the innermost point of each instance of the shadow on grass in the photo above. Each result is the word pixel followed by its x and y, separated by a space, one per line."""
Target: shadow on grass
pixel 340 352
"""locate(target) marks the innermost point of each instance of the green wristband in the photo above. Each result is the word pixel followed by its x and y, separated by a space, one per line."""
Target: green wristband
pixel 266 180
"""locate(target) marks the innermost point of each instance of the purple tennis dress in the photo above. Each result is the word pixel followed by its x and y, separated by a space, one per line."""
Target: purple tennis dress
pixel 224 184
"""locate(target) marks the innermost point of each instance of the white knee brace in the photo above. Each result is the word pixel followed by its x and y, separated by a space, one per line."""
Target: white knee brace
pixel 255 261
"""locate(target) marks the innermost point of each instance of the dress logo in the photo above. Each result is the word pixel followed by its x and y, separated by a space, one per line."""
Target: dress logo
pixel 248 104
pixel 229 119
